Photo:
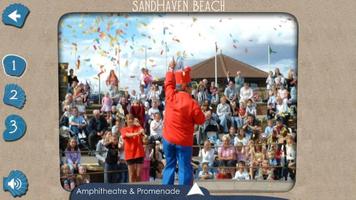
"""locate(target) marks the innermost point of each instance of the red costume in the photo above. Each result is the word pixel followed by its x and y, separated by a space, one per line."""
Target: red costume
pixel 182 111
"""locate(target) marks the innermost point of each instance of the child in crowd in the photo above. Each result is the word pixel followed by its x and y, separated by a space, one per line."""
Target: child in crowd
pixel 241 138
pixel 223 173
pixel 205 174
pixel 291 157
pixel 67 178
pixel 153 110
pixel 156 128
pixel 240 152
pixel 268 130
pixel 101 150
pixel 73 154
pixel 111 161
pixel 133 134
pixel 106 105
pixel 272 161
pixel 264 172
pixel 159 170
pixel 241 173
pixel 145 173
pixel 251 109
pixel 271 111
pixel 82 176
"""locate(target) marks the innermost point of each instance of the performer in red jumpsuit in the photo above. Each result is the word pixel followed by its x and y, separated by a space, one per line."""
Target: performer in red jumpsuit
pixel 181 114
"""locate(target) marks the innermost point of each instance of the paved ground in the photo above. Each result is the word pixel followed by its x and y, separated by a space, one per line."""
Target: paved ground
pixel 229 186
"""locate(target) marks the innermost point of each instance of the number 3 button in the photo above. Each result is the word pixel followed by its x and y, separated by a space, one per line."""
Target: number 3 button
pixel 14 65
pixel 15 128
pixel 14 96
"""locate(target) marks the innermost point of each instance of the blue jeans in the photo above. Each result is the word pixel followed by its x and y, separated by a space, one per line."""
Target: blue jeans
pixel 123 174
pixel 223 122
pixel 182 155
pixel 237 121
pixel 111 177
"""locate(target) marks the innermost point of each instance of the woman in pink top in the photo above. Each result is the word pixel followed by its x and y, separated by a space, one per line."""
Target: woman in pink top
pixel 227 153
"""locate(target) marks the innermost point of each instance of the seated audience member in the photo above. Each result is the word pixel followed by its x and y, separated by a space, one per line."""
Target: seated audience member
pixel 210 125
pixel 268 130
pixel 205 174
pixel 73 155
pixel 67 178
pixel 207 154
pixel 240 152
pixel 251 108
pixel 230 92
pixel 246 93
pixel 96 128
pixel 291 158
pixel 232 134
pixel 82 176
pixel 223 173
pixel 271 111
pixel 282 109
pixel 252 127
pixel 153 110
pixel 77 123
pixel 241 138
pixel 264 171
pixel 227 153
pixel 224 113
pixel 272 161
pixel 156 127
pixel 241 173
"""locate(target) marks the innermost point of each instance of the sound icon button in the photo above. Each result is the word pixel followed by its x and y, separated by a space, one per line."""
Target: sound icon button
pixel 16 183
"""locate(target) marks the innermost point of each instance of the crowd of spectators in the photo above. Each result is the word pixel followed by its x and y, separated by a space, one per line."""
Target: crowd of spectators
pixel 236 141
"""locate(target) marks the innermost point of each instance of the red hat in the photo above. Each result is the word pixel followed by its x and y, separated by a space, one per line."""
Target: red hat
pixel 183 76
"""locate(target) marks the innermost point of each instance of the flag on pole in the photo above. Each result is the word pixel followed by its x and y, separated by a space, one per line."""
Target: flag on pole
pixel 216 65
pixel 269 52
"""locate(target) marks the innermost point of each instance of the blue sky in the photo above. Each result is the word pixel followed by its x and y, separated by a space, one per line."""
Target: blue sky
pixel 119 41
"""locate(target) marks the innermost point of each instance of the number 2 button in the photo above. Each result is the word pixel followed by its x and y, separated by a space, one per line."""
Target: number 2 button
pixel 14 96
pixel 14 65
pixel 15 128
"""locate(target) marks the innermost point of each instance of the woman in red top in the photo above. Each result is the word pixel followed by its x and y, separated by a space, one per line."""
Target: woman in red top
pixel 133 147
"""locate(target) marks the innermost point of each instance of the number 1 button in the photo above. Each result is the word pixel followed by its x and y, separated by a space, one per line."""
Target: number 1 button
pixel 14 96
pixel 15 128
pixel 14 65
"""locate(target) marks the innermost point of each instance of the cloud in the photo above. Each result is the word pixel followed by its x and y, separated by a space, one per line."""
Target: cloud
pixel 242 36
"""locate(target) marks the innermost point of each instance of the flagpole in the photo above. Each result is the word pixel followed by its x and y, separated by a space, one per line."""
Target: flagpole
pixel 216 66
pixel 269 55
pixel 99 90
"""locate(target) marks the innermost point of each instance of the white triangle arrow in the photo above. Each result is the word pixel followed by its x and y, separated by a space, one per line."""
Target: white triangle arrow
pixel 195 190
pixel 14 15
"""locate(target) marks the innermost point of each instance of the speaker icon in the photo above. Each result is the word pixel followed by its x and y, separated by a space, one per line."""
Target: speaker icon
pixel 16 183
